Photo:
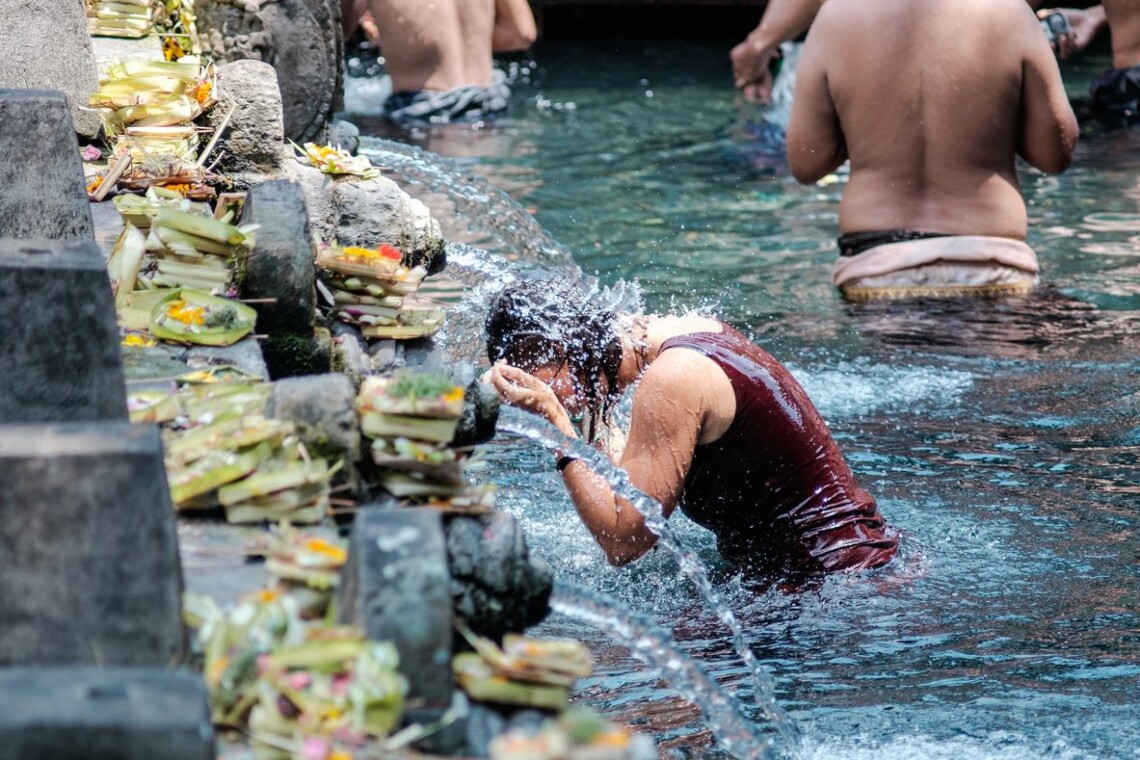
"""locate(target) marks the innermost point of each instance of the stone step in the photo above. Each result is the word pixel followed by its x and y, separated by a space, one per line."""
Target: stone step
pixel 100 713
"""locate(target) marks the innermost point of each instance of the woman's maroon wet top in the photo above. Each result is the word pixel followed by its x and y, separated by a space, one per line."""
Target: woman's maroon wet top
pixel 774 488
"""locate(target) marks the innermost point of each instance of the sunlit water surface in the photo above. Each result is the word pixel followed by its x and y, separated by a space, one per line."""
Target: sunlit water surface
pixel 1000 438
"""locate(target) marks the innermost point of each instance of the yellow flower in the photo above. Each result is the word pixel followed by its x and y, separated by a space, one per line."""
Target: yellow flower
pixel 187 315
pixel 141 341
pixel 357 252
pixel 455 394
pixel 217 668
pixel 94 184
pixel 172 49
pixel 319 546
pixel 266 595
pixel 340 754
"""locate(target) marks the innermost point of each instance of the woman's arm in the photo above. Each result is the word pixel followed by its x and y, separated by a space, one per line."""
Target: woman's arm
pixel 669 409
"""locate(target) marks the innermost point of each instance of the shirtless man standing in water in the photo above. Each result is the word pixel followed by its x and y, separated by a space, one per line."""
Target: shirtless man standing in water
pixel 438 52
pixel 931 102
pixel 1116 92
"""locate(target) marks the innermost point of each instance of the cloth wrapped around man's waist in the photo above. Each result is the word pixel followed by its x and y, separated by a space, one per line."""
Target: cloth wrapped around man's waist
pixel 938 265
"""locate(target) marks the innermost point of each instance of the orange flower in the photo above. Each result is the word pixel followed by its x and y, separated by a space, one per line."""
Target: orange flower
pixel 94 184
pixel 455 394
pixel 613 738
pixel 201 93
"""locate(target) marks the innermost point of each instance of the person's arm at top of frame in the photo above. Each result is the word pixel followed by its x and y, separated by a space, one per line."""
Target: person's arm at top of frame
pixel 665 425
pixel 815 141
pixel 1085 24
pixel 515 28
pixel 783 20
pixel 1048 130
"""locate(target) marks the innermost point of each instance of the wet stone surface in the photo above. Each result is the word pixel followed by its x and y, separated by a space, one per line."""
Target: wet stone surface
pixel 496 585
pixel 322 406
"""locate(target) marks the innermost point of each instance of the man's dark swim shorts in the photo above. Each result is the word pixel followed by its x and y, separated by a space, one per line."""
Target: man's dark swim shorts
pixel 460 104
pixel 1116 93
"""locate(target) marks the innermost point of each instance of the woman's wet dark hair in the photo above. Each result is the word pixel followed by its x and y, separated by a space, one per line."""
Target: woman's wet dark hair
pixel 555 323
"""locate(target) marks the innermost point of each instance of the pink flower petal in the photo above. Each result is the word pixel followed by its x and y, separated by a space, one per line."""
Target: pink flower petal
pixel 315 748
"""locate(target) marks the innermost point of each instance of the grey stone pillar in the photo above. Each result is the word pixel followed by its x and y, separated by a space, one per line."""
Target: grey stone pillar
pixel 60 340
pixel 42 189
pixel 90 570
pixel 395 587
pixel 280 265
pixel 45 46
pixel 103 714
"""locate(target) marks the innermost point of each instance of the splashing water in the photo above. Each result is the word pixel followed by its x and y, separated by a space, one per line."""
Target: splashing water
pixel 655 647
pixel 475 198
pixel 530 427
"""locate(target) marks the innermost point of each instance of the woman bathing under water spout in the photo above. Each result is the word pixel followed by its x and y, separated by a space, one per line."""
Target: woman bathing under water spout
pixel 718 427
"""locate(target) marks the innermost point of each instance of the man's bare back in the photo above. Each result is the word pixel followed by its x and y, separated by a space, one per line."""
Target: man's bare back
pixel 1124 20
pixel 931 101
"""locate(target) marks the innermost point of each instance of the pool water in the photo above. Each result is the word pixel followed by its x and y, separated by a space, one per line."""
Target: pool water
pixel 1001 439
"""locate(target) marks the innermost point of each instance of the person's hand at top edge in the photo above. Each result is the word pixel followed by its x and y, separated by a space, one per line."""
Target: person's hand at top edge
pixel 1084 24
pixel 783 20
pixel 750 71
pixel 515 27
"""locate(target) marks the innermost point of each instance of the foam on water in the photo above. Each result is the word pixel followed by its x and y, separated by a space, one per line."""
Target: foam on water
pixel 862 387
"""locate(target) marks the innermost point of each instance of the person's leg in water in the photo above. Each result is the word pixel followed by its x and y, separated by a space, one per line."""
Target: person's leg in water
pixel 440 59
pixel 425 45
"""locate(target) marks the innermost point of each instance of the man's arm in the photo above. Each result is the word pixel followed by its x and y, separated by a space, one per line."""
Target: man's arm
pixel 515 28
pixel 816 145
pixel 1049 130
pixel 1086 25
pixel 783 20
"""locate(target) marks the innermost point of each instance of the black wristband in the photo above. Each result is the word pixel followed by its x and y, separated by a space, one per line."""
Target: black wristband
pixel 564 462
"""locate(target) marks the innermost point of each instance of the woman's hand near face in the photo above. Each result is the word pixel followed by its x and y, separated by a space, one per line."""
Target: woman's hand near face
pixel 525 391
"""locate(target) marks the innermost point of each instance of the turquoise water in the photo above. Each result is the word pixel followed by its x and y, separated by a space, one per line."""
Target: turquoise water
pixel 1000 438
